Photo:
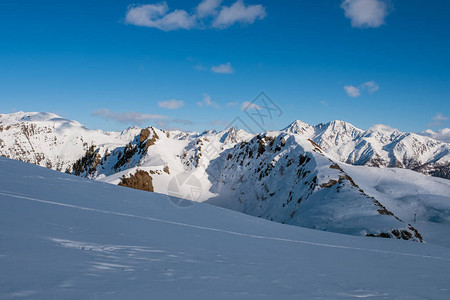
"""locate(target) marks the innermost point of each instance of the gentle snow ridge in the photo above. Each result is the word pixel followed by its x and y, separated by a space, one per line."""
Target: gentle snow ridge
pixel 72 238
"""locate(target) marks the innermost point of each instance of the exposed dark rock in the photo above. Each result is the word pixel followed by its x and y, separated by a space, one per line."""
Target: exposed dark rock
pixel 88 163
pixel 141 180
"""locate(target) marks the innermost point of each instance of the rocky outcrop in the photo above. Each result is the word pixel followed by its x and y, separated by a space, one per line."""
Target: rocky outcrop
pixel 141 180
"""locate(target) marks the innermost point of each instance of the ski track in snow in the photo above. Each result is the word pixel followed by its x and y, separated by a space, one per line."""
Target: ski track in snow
pixel 8 194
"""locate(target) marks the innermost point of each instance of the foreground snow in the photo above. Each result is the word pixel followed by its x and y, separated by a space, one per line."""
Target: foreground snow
pixel 422 201
pixel 64 237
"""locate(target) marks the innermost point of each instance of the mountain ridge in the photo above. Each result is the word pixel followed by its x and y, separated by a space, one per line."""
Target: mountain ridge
pixel 378 146
pixel 235 169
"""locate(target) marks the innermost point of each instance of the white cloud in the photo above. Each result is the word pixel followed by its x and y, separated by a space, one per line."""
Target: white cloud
pixel 171 104
pixel 382 127
pixel 223 69
pixel 366 13
pixel 438 120
pixel 239 13
pixel 231 104
pixel 208 8
pixel 218 123
pixel 370 86
pixel 352 91
pixel 324 103
pixel 249 105
pixel 200 68
pixel 127 117
pixel 161 124
pixel 208 13
pixel 441 135
pixel 183 122
pixel 207 102
pixel 158 16
pixel 172 124
pixel 440 117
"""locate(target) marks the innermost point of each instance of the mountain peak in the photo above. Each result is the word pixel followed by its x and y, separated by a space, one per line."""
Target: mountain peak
pixel 233 135
pixel 298 127
pixel 46 118
pixel 338 125
pixel 21 116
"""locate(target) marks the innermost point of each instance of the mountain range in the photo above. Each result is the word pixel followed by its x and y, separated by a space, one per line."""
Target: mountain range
pixel 331 177
pixel 379 146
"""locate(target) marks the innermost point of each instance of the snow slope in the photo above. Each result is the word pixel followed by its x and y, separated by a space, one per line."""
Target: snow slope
pixel 65 237
pixel 409 195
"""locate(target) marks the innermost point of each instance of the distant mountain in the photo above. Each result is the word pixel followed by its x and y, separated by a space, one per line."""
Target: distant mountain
pixel 47 140
pixel 379 146
pixel 440 135
pixel 297 176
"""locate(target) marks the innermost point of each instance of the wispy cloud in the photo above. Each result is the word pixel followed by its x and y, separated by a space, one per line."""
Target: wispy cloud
pixel 239 13
pixel 367 13
pixel 231 104
pixel 324 103
pixel 161 124
pixel 352 91
pixel 132 117
pixel 218 123
pixel 369 86
pixel 249 105
pixel 158 16
pixel 200 68
pixel 174 124
pixel 219 69
pixel 208 14
pixel 207 101
pixel 208 8
pixel 182 122
pixel 171 104
pixel 438 120
pixel 223 69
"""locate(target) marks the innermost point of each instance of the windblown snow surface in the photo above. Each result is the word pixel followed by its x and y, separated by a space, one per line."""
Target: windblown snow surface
pixel 65 237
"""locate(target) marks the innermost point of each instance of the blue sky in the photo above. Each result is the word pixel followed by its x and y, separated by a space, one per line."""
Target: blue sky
pixel 111 64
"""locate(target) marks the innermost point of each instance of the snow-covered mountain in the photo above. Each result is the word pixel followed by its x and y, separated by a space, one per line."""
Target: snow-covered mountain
pixel 65 237
pixel 379 146
pixel 440 135
pixel 284 178
pixel 47 140
pixel 295 176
